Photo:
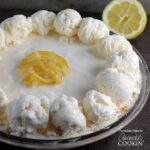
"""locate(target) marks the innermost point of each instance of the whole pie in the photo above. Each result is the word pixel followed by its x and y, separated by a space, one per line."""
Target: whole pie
pixel 63 75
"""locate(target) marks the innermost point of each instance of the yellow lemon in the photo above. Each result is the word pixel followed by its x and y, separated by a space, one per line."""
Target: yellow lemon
pixel 125 17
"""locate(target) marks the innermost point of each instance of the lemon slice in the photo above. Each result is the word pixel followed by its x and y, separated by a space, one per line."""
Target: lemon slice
pixel 125 17
pixel 43 68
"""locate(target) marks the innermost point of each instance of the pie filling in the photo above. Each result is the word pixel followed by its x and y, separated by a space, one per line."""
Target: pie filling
pixel 43 68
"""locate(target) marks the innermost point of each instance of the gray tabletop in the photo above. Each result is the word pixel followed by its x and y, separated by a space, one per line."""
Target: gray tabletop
pixel 139 127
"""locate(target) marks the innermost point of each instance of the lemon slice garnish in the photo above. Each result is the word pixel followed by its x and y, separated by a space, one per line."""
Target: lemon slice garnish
pixel 125 17
pixel 43 68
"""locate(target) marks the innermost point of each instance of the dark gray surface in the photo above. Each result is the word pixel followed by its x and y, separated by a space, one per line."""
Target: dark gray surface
pixel 142 121
pixel 82 5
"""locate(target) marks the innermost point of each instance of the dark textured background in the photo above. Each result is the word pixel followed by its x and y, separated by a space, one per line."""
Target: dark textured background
pixel 56 5
pixel 142 121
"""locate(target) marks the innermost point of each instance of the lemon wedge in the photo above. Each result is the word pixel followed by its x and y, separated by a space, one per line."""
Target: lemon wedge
pixel 125 17
pixel 43 68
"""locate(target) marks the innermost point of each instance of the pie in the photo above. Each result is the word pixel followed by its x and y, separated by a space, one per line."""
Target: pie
pixel 63 75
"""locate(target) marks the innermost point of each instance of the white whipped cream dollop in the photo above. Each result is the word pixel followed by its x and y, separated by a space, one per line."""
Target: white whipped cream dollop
pixel 42 21
pixel 28 113
pixel 98 106
pixel 117 84
pixel 91 30
pixel 16 28
pixel 66 114
pixel 67 22
pixel 109 44
pixel 125 60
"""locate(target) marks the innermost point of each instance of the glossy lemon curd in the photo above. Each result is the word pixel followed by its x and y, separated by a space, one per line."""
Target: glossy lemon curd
pixel 43 68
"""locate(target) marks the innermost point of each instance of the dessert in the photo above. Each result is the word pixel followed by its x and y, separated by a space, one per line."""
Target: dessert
pixel 55 89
